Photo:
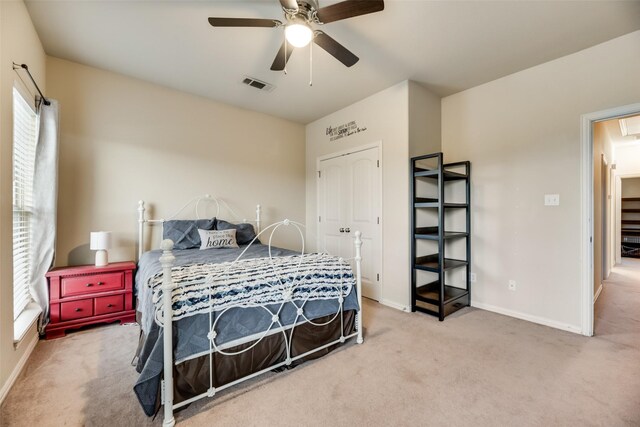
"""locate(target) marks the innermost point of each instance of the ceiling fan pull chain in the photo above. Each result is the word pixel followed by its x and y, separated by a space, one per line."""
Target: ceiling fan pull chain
pixel 311 64
pixel 285 53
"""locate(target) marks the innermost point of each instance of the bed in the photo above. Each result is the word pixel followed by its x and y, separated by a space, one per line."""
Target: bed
pixel 235 312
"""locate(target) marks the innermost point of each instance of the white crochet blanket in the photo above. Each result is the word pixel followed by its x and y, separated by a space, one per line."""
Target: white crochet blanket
pixel 214 287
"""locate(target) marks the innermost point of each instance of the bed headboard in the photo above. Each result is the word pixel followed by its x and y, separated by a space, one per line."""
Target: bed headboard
pixel 197 203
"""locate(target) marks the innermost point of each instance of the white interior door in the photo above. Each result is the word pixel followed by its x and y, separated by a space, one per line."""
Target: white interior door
pixel 332 208
pixel 349 201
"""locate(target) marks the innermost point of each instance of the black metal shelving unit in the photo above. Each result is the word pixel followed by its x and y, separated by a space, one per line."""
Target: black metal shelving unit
pixel 436 297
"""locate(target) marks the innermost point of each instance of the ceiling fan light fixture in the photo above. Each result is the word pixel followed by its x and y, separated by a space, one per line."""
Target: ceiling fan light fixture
pixel 298 35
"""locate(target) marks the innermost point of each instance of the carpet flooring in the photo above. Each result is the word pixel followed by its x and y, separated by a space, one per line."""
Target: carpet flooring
pixel 475 369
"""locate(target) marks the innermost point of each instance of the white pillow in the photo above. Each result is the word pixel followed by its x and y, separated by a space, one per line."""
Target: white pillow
pixel 217 239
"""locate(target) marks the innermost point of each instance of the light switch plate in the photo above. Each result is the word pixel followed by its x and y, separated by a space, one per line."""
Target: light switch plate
pixel 551 199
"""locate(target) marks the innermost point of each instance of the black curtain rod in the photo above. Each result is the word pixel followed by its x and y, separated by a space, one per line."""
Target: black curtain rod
pixel 24 66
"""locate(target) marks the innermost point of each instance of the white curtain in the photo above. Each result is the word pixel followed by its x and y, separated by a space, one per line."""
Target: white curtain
pixel 45 200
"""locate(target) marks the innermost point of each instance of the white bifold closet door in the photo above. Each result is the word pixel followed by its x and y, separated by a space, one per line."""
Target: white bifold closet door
pixel 348 201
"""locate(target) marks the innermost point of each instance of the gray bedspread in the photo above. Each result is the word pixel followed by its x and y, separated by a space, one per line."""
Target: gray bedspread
pixel 190 333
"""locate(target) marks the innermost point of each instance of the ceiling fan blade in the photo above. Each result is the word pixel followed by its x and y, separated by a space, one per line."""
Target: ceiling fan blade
pixel 290 5
pixel 280 61
pixel 349 9
pixel 335 49
pixel 244 22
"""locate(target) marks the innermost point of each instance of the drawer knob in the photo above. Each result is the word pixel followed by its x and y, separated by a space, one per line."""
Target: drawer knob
pixel 109 305
pixel 78 310
pixel 100 283
pixel 89 284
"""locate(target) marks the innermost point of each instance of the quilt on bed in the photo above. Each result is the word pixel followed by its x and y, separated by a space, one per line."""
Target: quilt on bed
pixel 254 283
pixel 234 325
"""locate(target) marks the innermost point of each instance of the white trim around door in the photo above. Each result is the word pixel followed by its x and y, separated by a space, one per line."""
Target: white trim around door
pixel 586 208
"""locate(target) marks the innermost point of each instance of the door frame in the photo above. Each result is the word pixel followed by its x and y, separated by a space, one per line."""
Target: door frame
pixel 345 152
pixel 614 216
pixel 604 217
pixel 587 208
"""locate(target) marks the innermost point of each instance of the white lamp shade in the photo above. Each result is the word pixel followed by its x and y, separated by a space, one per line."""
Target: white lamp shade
pixel 100 240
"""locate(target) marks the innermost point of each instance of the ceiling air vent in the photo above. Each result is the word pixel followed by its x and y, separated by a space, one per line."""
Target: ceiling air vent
pixel 258 84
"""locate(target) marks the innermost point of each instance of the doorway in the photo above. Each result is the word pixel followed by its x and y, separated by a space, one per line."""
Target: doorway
pixel 349 199
pixel 603 135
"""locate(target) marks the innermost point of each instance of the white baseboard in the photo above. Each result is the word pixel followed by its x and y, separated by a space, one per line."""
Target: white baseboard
pixel 595 297
pixel 393 304
pixel 528 317
pixel 4 391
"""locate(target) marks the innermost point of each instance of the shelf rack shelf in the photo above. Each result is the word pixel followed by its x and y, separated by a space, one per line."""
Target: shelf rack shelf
pixel 630 232
pixel 437 297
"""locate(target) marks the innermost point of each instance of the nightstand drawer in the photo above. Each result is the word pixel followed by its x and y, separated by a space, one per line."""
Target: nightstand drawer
pixel 92 283
pixel 107 305
pixel 76 309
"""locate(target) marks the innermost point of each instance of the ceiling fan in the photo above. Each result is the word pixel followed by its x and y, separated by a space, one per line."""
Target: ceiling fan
pixel 300 17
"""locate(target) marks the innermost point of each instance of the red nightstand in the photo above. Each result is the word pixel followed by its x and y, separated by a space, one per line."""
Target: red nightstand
pixel 84 295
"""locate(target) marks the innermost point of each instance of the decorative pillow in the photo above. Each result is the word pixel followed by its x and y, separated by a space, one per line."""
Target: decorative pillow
pixel 184 232
pixel 217 239
pixel 244 232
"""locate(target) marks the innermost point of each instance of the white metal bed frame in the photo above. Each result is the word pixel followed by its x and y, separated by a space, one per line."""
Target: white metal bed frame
pixel 167 261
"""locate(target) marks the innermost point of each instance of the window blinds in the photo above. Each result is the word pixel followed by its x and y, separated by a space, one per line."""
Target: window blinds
pixel 25 125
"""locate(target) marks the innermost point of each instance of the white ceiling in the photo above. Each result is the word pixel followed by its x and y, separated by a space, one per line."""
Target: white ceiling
pixel 612 128
pixel 447 46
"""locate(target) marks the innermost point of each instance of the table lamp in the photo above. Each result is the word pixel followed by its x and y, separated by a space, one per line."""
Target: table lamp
pixel 100 242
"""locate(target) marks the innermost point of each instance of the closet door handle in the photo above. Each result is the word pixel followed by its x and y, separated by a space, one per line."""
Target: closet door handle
pixel 342 230
pixel 347 230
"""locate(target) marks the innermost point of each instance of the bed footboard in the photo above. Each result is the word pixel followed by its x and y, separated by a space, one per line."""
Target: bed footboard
pixel 167 387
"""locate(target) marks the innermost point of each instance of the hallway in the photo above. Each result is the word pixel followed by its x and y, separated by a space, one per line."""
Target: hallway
pixel 617 310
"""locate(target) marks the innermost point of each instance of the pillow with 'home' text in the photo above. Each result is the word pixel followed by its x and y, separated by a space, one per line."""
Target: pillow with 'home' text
pixel 217 239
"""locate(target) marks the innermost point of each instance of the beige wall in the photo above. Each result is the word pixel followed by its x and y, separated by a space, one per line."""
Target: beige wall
pixel 628 160
pixel 631 187
pixel 387 117
pixel 18 43
pixel 522 135
pixel 424 121
pixel 123 140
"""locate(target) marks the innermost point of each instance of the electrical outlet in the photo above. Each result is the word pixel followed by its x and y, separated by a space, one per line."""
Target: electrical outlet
pixel 552 200
pixel 473 277
pixel 512 285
